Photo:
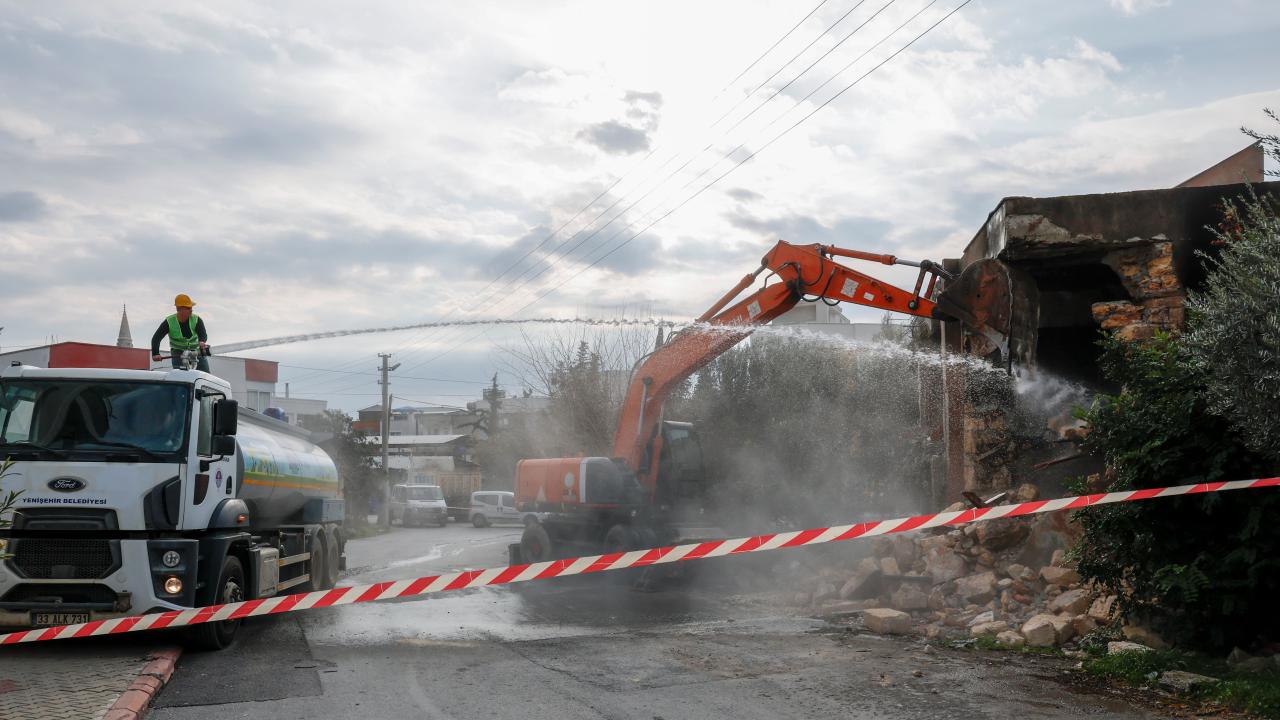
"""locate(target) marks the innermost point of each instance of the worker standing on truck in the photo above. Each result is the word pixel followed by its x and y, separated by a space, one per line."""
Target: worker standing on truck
pixel 186 332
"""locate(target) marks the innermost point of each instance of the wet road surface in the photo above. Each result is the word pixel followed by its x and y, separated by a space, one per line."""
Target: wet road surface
pixel 590 648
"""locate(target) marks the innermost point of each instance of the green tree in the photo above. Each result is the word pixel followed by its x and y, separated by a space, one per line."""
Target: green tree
pixel 1234 323
pixel 353 455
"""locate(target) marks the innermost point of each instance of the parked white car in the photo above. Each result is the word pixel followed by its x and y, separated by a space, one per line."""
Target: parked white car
pixel 418 505
pixel 490 507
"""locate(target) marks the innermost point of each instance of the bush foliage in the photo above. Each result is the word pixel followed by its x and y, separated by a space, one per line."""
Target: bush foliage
pixel 1235 323
pixel 1204 407
pixel 1202 570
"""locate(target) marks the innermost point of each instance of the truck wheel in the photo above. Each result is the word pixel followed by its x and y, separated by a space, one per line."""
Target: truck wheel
pixel 220 635
pixel 479 520
pixel 316 565
pixel 333 567
pixel 535 545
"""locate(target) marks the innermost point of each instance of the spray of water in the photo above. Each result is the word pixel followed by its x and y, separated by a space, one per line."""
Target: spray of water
pixel 289 339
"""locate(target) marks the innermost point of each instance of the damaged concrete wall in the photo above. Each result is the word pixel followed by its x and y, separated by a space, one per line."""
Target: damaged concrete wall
pixel 1121 262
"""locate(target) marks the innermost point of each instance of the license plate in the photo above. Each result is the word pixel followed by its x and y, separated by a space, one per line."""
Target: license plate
pixel 49 619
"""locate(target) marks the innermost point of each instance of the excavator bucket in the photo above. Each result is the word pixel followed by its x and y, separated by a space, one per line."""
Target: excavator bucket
pixel 1001 304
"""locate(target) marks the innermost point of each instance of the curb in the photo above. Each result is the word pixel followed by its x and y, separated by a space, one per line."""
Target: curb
pixel 133 703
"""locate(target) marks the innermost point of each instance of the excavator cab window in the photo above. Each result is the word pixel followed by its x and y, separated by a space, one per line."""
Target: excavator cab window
pixel 680 470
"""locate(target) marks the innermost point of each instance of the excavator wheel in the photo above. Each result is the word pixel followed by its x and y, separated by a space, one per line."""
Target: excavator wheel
pixel 621 539
pixel 535 544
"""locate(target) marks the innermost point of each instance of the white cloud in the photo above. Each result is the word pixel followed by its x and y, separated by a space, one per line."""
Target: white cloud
pixel 1137 7
pixel 318 166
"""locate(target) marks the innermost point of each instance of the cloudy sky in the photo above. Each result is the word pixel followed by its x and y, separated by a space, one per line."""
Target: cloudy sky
pixel 307 166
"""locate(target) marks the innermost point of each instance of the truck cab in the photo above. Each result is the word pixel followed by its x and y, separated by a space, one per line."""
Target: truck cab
pixel 135 497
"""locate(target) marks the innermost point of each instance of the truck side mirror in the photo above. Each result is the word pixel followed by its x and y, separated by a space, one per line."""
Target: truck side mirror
pixel 223 445
pixel 225 418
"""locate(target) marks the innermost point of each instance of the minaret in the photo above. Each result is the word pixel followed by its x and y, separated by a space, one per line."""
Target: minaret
pixel 125 340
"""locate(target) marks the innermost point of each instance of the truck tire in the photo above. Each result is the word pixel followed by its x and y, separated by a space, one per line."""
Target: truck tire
pixel 317 564
pixel 220 635
pixel 479 520
pixel 331 565
pixel 535 545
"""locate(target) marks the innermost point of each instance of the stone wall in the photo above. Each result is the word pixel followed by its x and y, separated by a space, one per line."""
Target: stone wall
pixel 1158 296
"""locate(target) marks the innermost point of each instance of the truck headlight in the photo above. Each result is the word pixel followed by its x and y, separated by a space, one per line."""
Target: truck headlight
pixel 171 558
pixel 173 585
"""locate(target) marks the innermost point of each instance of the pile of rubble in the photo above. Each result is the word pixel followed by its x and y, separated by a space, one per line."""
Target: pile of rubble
pixel 1006 579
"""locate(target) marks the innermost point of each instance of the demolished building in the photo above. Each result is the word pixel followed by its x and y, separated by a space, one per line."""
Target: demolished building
pixel 1120 262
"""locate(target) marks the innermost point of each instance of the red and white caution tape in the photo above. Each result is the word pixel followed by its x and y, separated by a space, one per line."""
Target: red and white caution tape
pixel 600 563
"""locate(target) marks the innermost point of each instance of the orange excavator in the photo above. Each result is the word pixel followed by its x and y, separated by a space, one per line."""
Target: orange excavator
pixel 637 497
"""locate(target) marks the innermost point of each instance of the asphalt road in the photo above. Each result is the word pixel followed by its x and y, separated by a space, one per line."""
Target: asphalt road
pixel 593 647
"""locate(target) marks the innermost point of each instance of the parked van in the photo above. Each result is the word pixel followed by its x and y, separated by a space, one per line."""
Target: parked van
pixel 418 505
pixel 497 506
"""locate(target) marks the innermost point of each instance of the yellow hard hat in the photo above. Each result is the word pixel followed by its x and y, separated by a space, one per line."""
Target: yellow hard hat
pixel 183 300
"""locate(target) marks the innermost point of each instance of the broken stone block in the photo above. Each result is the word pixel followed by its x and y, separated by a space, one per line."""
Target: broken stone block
pixel 1010 639
pixel 945 567
pixel 1014 570
pixel 1059 576
pixel 1046 630
pixel 1104 608
pixel 988 628
pixel 865 581
pixel 1039 631
pixel 1181 681
pixel 886 621
pixel 909 597
pixel 889 566
pixel 904 551
pixel 1115 647
pixel 983 617
pixel 1000 534
pixel 936 542
pixel 1114 315
pixel 1146 636
pixel 1071 602
pixel 1026 492
pixel 825 591
pixel 979 588
pixel 1083 625
pixel 1137 332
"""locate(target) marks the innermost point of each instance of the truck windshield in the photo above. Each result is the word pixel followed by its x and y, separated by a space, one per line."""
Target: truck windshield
pixel 93 415
pixel 424 493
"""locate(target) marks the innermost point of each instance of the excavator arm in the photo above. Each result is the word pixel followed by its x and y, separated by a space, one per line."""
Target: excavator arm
pixel 802 272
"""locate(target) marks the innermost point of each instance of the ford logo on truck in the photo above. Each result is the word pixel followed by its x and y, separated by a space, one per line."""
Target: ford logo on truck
pixel 66 485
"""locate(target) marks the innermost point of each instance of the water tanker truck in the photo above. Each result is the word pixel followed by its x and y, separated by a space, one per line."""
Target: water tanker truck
pixel 146 491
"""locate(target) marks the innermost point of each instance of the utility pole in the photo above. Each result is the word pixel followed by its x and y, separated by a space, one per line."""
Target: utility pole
pixel 384 515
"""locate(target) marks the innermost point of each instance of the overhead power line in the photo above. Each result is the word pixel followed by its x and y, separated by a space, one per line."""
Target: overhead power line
pixel 749 156
pixel 520 280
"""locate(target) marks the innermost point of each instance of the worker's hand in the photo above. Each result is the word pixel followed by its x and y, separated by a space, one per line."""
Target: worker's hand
pixel 157 358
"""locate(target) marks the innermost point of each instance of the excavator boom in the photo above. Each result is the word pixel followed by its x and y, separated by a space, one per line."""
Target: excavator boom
pixel 802 271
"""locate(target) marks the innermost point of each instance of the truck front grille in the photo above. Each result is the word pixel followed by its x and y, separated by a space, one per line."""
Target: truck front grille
pixel 64 559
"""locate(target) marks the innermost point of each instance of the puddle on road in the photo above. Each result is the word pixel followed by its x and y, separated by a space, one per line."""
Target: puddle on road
pixel 576 607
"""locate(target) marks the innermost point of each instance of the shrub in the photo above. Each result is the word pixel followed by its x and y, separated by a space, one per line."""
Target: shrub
pixel 1202 570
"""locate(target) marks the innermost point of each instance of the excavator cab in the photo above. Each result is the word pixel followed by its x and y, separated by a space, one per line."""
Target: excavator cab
pixel 682 477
